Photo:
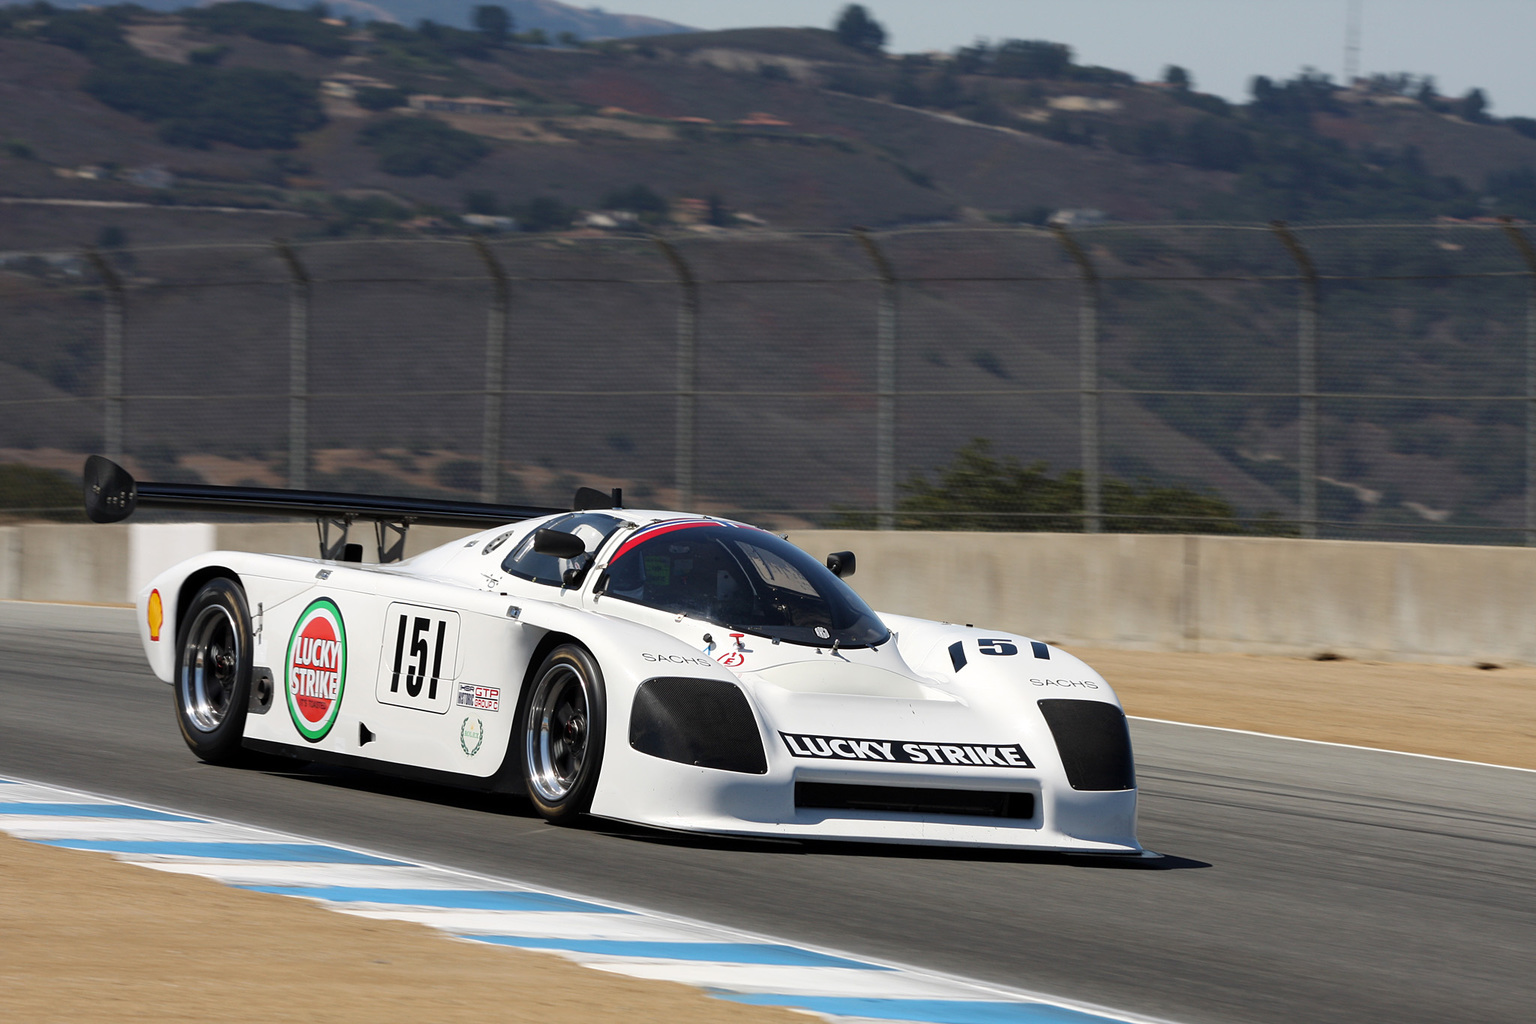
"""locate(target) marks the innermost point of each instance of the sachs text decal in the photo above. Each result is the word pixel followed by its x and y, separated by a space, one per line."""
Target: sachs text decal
pixel 317 669
pixel 421 649
pixel 676 659
pixel 842 748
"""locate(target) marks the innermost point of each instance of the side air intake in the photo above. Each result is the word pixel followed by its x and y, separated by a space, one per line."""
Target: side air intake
pixel 928 803
pixel 704 722
pixel 1094 743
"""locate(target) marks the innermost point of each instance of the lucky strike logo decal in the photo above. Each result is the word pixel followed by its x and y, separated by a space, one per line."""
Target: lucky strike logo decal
pixel 317 669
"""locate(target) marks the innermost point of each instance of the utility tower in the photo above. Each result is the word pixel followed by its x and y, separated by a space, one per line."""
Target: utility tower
pixel 1352 42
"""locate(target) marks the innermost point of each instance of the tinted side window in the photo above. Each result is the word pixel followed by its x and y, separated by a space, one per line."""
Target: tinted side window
pixel 591 527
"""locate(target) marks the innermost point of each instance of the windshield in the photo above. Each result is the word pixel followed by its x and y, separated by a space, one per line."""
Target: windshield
pixel 741 578
pixel 592 527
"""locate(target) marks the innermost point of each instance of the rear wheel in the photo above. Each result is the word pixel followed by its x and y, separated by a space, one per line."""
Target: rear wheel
pixel 213 671
pixel 560 731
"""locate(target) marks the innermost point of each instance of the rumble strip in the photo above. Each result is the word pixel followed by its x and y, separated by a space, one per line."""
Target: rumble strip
pixel 726 963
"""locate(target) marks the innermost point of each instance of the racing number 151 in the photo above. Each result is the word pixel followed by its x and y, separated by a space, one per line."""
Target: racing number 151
pixel 420 649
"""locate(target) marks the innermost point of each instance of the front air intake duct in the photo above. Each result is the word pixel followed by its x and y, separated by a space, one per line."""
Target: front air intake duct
pixel 1094 743
pixel 704 722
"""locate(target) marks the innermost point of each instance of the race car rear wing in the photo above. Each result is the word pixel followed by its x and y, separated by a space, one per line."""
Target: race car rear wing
pixel 112 495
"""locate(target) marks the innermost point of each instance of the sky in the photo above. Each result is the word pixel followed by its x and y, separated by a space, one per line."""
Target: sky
pixel 1224 43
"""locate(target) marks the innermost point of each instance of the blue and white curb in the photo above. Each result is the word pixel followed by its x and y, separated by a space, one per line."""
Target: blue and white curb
pixel 726 963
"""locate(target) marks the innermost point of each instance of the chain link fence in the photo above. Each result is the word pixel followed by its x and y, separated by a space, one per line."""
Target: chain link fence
pixel 1347 381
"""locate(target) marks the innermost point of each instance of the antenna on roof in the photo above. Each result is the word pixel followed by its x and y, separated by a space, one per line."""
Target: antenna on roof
pixel 1352 42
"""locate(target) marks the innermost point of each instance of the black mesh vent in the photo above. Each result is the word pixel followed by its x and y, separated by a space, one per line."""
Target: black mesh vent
pixel 1094 742
pixel 706 722
pixel 970 803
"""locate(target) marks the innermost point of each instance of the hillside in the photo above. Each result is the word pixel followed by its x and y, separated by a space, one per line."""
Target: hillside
pixel 128 129
pixel 836 136
pixel 551 17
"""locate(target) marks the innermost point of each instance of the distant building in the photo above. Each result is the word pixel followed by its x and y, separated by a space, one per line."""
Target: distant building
pixel 149 177
pixel 760 119
pixel 1078 218
pixel 462 105
pixel 90 172
pixel 344 84
pixel 611 220
pixel 690 211
pixel 490 222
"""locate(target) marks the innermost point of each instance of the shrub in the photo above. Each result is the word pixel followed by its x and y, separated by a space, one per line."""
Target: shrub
pixel 544 213
pixel 410 147
pixel 374 98
pixel 271 25
pixel 198 105
pixel 25 488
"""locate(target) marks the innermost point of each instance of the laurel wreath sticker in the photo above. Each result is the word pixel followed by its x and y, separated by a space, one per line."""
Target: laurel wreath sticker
pixel 471 735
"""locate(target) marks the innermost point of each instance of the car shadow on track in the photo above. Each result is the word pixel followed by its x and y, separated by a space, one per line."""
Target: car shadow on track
pixel 512 806
pixel 894 851
pixel 364 781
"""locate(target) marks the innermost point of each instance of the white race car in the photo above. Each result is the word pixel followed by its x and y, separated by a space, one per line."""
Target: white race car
pixel 672 670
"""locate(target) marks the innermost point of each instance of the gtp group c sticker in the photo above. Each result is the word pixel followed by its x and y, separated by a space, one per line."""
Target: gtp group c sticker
pixel 317 669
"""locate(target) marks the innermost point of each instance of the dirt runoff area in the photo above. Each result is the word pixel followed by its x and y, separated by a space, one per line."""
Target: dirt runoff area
pixel 88 940
pixel 85 939
pixel 1472 714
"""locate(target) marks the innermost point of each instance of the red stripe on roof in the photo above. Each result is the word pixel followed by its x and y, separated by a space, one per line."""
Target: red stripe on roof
pixel 656 531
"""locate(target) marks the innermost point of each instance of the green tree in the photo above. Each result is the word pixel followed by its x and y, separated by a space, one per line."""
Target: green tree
pixel 978 491
pixel 373 97
pixel 1474 106
pixel 482 201
pixel 411 147
pixel 543 213
pixel 41 492
pixel 637 199
pixel 1178 78
pixel 857 30
pixel 494 23
pixel 1031 58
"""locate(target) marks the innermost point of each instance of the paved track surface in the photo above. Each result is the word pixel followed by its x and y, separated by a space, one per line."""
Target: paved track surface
pixel 1300 883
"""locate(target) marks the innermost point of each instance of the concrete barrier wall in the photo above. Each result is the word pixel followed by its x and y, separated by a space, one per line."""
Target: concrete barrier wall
pixel 1406 602
pixel 1409 602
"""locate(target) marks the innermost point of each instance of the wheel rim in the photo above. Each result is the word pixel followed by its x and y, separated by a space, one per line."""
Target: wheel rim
pixel 210 662
pixel 558 733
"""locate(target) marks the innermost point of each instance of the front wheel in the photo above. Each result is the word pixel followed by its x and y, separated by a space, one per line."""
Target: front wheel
pixel 560 733
pixel 213 671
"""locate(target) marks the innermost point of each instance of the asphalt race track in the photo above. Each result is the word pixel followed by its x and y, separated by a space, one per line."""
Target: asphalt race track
pixel 1300 882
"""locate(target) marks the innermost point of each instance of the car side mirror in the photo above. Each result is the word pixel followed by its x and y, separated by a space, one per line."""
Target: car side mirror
pixel 559 544
pixel 842 563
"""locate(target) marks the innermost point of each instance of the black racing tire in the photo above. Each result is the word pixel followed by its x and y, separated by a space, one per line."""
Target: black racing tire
pixel 213 672
pixel 559 731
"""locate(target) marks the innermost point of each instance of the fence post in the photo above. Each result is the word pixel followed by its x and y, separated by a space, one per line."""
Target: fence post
pixel 1306 365
pixel 298 367
pixel 495 371
pixel 687 371
pixel 112 356
pixel 885 385
pixel 1088 380
pixel 1528 254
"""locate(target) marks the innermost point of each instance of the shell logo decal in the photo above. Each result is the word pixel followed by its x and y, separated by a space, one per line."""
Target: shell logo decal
pixel 316 669
pixel 155 614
